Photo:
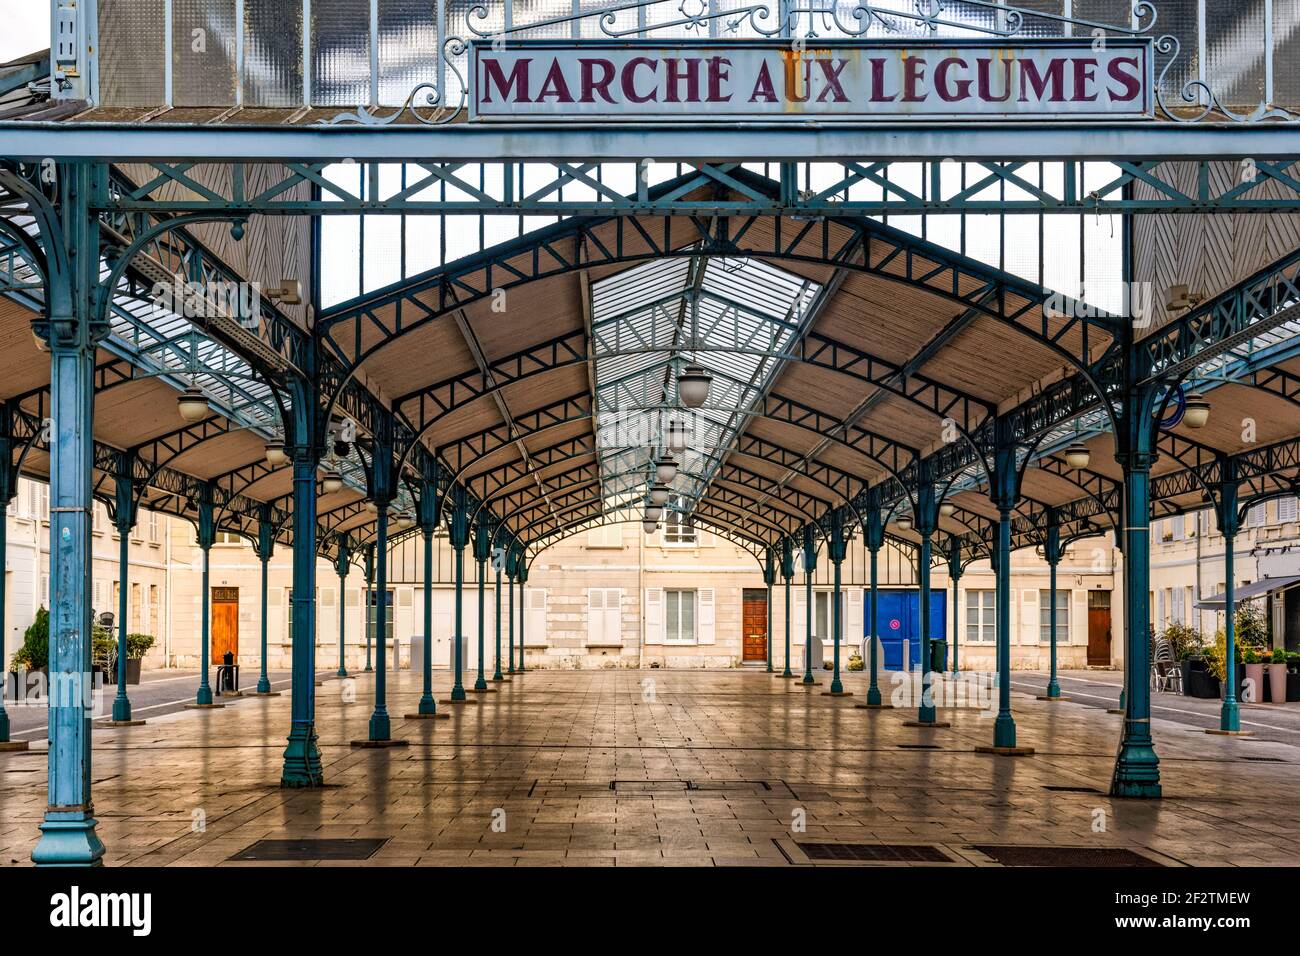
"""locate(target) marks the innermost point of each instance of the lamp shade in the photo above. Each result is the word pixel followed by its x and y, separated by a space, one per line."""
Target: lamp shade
pixel 904 522
pixel 693 385
pixel 946 510
pixel 372 507
pixel 676 439
pixel 665 469
pixel 275 454
pixel 1196 411
pixel 654 512
pixel 1078 455
pixel 331 481
pixel 649 526
pixel 192 404
pixel 659 495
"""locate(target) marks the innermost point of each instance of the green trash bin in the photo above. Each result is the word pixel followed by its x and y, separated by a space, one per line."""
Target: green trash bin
pixel 939 655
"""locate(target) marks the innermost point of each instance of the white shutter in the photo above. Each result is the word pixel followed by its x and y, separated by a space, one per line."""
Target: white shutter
pixel 799 624
pixel 705 616
pixel 535 617
pixel 595 612
pixel 1286 509
pixel 853 632
pixel 654 615
pixel 354 597
pixel 613 614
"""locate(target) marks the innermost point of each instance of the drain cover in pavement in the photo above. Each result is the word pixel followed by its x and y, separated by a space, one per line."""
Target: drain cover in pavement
pixel 874 852
pixel 1065 856
pixel 269 851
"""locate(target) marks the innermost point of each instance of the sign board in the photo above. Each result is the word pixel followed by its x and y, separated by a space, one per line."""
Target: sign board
pixel 883 81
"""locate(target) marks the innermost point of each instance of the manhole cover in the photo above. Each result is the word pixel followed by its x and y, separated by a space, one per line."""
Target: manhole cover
pixel 280 850
pixel 874 852
pixel 1065 856
pixel 1072 789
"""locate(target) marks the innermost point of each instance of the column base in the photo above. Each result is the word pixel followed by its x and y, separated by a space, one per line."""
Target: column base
pixel 874 706
pixel 302 767
pixel 1049 697
pixel 837 693
pixel 263 687
pixel 809 683
pixel 439 715
pixel 204 706
pixel 482 690
pixel 265 693
pixel 380 744
pixel 785 676
pixel 1006 751
pixel 930 724
pixel 204 696
pixel 118 723
pixel 1114 710
pixel 11 746
pixel 458 700
pixel 341 672
pixel 1137 768
pixel 497 680
pixel 68 839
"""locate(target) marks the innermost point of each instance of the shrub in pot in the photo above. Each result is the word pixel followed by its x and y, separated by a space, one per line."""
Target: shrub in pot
pixel 1277 676
pixel 1254 675
pixel 855 662
pixel 34 654
pixel 137 645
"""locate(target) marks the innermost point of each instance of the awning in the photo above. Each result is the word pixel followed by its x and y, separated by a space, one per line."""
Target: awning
pixel 1247 591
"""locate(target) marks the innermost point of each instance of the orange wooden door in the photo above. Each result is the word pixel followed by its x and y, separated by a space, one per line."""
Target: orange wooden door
pixel 754 625
pixel 1099 634
pixel 225 623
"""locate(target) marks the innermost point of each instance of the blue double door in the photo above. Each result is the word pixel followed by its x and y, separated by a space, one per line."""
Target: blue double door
pixel 899 616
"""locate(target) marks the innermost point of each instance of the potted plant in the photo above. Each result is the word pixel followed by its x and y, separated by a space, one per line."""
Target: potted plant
pixel 34 654
pixel 855 662
pixel 1277 675
pixel 1254 675
pixel 137 645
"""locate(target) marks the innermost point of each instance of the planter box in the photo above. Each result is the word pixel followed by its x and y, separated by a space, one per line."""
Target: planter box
pixel 133 670
pixel 1197 681
pixel 1293 685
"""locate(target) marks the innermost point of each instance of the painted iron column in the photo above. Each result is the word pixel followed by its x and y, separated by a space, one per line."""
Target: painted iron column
pixel 265 548
pixel 302 765
pixel 482 548
pixel 512 564
pixel 380 475
pixel 954 575
pixel 523 606
pixel 341 566
pixel 458 534
pixel 1053 552
pixel 68 835
pixel 1225 509
pixel 369 616
pixel 124 519
pixel 873 531
pixel 207 537
pixel 430 506
pixel 927 518
pixel 8 488
pixel 498 561
pixel 1137 769
pixel 787 573
pixel 837 548
pixel 809 566
pixel 1003 495
pixel 769 577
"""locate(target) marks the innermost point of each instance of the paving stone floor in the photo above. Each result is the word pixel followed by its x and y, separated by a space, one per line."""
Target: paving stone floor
pixel 625 767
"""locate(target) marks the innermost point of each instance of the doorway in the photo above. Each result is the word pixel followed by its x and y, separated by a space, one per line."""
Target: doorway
pixel 1098 628
pixel 754 626
pixel 225 623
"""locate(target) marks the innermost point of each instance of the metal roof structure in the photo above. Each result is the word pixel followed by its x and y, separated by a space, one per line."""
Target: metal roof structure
pixel 865 375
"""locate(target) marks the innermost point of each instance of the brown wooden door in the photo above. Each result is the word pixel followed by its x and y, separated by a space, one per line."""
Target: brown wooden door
pixel 1099 628
pixel 225 623
pixel 754 625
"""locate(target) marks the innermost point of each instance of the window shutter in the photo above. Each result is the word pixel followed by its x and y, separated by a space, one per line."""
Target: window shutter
pixel 1286 509
pixel 535 625
pixel 654 615
pixel 853 624
pixel 799 613
pixel 595 613
pixel 705 615
pixel 354 597
pixel 614 615
pixel 327 597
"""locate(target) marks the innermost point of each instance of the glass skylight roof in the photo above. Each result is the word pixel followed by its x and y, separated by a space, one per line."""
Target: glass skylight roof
pixel 734 316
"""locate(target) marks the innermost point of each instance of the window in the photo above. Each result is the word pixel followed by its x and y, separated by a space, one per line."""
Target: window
pixel 227 537
pixel 1286 510
pixel 1257 515
pixel 98 517
pixel 604 616
pixel 605 536
pixel 388 613
pixel 45 590
pixel 42 497
pixel 288 613
pixel 679 609
pixel 1062 617
pixel 822 615
pixel 678 529
pixel 153 523
pixel 980 623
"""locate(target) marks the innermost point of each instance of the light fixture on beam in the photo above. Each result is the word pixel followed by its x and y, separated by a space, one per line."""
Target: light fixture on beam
pixel 659 495
pixel 405 520
pixel 648 526
pixel 676 439
pixel 1196 410
pixel 947 510
pixel 288 292
pixel 904 522
pixel 654 512
pixel 275 454
pixel 665 469
pixel 372 507
pixel 192 404
pixel 1077 455
pixel 693 385
pixel 331 482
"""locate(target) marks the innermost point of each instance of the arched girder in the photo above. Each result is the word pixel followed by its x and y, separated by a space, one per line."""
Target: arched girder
pixel 712 507
pixel 528 425
pixel 588 469
pixel 1106 492
pixel 160 452
pixel 835 480
pixel 506 477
